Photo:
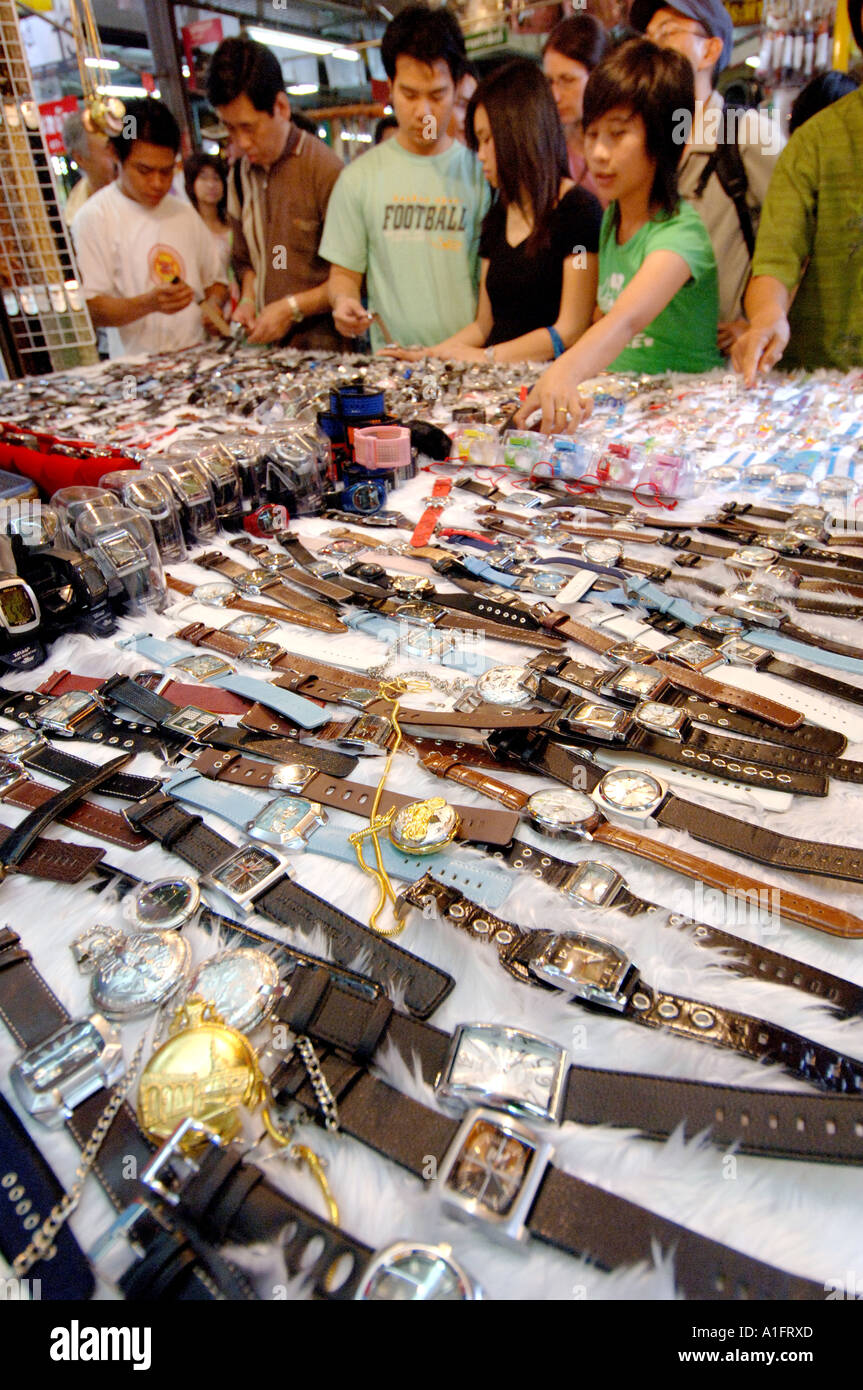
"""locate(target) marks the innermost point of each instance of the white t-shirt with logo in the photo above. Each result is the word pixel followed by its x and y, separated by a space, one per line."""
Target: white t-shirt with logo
pixel 127 249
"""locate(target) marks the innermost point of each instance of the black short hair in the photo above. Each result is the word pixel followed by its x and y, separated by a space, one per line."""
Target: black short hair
pixel 426 35
pixel 149 120
pixel 384 124
pixel 657 85
pixel 241 67
pixel 822 91
pixel 579 37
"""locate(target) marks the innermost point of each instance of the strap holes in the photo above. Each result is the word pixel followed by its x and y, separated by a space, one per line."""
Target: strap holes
pixel 772 1122
pixel 829 1126
pixel 800 1124
pixel 339 1272
pixel 743 1119
pixel 719 1114
pixel 312 1253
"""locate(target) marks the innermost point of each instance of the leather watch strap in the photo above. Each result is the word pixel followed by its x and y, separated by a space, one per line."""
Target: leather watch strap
pixel 206 697
pixel 475 824
pixel 428 521
pixel 811 738
pixel 564 626
pixel 567 1213
pixel 425 986
pixel 17 842
pixel 238 603
pixel 98 727
pixel 33 1191
pixel 735 760
pixel 448 765
pixel 779 1123
pixel 86 816
pixel 481 716
pixel 127 786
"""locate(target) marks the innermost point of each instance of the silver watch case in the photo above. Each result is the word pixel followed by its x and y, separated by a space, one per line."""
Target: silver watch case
pixel 53 1077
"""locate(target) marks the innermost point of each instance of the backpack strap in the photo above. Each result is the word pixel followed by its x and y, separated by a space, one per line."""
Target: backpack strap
pixel 726 162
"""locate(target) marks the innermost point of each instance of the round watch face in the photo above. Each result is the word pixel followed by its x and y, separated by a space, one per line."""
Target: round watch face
pixel 547 581
pixel 602 552
pixel 561 810
pixel 631 791
pixel 139 976
pixel 502 686
pixel 722 623
pixel 423 827
pixel 165 904
pixel 249 625
pixel 215 594
pixel 408 1273
pixel 753 555
pixel 241 983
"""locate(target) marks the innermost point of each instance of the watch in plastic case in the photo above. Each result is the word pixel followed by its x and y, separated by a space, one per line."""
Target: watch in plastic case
pixel 57 1074
pixel 20 620
pixel 192 491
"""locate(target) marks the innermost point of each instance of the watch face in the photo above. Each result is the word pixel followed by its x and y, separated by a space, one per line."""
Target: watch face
pixel 411 586
pixel 695 656
pixel 122 552
pixel 249 625
pixel 631 653
pixel 166 904
pixel 291 777
pixel 763 608
pixel 419 614
pixel 502 1067
pixel 547 581
pixel 424 644
pixel 660 719
pixel 254 580
pixel 53 1077
pixel 216 593
pixel 743 653
pixel 140 975
pixel 202 667
pixel 16 742
pixel 263 653
pixel 723 624
pixel 246 872
pixel 637 682
pixel 492 1171
pixel 632 792
pixel 407 1273
pixel 63 711
pixel 592 882
pixel 562 811
pixel 598 721
pixel 241 983
pixel 191 722
pixel 585 967
pixel 288 821
pixel 423 827
pixel 16 607
pixel 756 555
pixel 189 484
pixel 602 552
pixel 502 686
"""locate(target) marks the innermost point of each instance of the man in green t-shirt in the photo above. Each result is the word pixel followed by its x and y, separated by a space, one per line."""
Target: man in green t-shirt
pixel 407 216
pixel 810 241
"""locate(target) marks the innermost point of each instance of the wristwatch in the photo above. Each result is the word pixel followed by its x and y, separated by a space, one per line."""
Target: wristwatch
pixel 262 581
pixel 78 715
pixel 255 876
pixel 20 621
pixel 27 749
pixel 192 491
pixel 225 595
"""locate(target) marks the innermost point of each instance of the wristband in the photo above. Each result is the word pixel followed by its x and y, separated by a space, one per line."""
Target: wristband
pixel 296 312
pixel 556 341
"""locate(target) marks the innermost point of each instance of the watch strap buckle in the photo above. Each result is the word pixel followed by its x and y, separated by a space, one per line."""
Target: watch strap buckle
pixel 172 1159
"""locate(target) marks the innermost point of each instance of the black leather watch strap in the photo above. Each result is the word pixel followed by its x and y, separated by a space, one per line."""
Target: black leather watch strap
pixel 812 680
pixel 98 727
pixel 425 985
pixel 127 786
pixel 15 845
pixel 124 691
pixel 572 1215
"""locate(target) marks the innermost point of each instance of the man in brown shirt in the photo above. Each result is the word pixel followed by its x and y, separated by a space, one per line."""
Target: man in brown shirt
pixel 277 200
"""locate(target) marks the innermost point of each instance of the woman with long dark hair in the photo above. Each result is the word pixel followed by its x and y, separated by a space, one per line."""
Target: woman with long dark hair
pixel 206 181
pixel 540 238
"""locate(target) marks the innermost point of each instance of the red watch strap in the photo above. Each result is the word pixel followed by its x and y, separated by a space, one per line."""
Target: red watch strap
pixel 429 519
pixel 204 697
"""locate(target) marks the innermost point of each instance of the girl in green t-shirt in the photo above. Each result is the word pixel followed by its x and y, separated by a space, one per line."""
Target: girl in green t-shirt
pixel 658 298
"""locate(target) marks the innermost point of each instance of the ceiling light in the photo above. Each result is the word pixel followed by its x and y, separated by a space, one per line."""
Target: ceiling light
pixel 299 43
pixel 114 91
pixel 753 60
pixel 303 89
pixel 108 64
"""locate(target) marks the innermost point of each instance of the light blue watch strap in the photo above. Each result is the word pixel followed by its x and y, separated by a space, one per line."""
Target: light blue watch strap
pixel 652 597
pixel 154 648
pixel 284 702
pixel 773 641
pixel 484 882
pixel 373 625
pixel 236 807
pixel 476 565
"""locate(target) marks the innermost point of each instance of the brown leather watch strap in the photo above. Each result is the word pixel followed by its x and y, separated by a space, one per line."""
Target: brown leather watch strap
pixel 200 635
pixel 325 622
pixel 679 676
pixel 474 754
pixel 795 906
pixel 448 765
pixel 57 860
pixel 205 697
pixel 86 816
pixel 483 716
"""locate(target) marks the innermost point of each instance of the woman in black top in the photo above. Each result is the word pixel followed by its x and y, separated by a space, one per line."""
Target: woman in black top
pixel 540 238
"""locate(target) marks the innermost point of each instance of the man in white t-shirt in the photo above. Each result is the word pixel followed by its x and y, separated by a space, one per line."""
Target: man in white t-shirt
pixel 146 259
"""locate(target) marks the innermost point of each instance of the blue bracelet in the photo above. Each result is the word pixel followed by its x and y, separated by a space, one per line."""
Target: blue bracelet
pixel 556 341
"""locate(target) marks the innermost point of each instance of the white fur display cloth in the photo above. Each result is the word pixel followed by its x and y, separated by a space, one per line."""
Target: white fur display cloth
pixel 804 1217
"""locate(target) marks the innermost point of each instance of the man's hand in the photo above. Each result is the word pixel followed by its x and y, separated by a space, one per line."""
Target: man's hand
pixel 172 299
pixel 245 314
pixel 563 409
pixel 272 323
pixel 761 347
pixel 729 333
pixel 349 316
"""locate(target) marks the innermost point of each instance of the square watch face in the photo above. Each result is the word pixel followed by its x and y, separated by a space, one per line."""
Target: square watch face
pixel 491 1168
pixel 122 552
pixel 603 721
pixel 504 1067
pixel 245 871
pixel 591 882
pixel 287 818
pixel 660 719
pixel 250 625
pixel 697 656
pixel 66 708
pixel 202 667
pixel 189 720
pixel 639 681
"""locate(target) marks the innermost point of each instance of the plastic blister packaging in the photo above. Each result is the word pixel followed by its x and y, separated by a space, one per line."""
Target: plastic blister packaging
pixel 122 544
pixel 150 494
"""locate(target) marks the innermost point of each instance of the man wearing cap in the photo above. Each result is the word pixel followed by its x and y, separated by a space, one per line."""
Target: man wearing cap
pixel 729 154
pixel 805 299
